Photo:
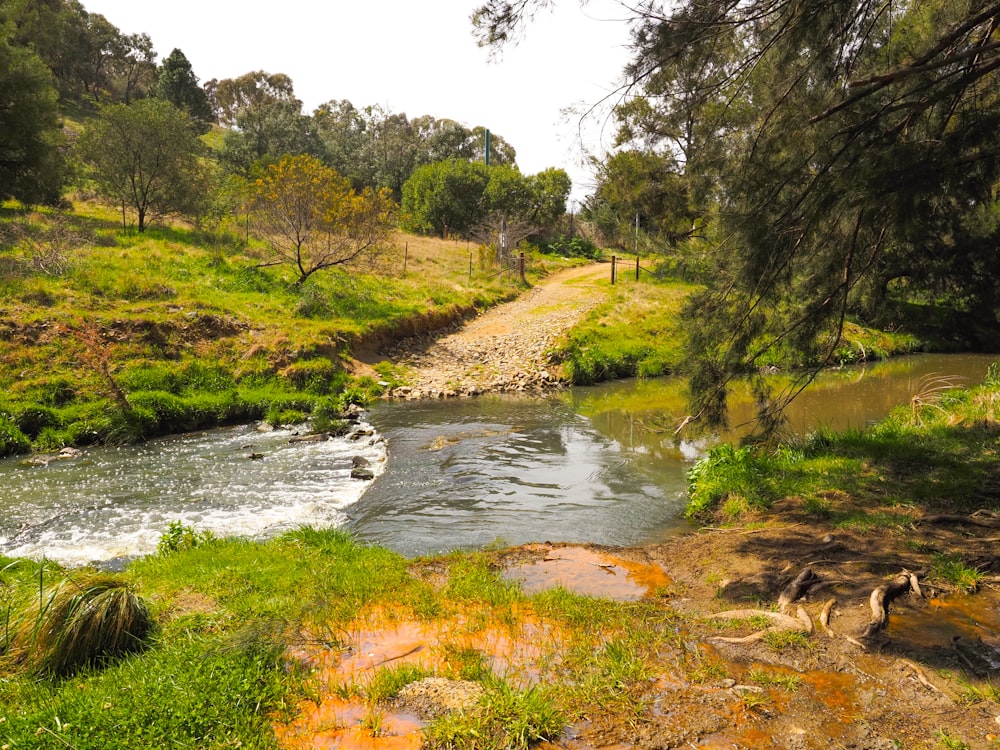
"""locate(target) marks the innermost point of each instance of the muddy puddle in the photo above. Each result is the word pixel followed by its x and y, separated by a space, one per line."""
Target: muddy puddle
pixel 341 717
pixel 745 702
pixel 966 625
pixel 588 572
pixel 516 646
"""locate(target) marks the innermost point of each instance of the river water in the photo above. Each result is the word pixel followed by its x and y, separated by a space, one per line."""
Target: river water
pixel 598 464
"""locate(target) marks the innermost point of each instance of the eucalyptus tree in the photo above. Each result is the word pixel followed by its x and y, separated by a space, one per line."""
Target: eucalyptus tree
pixel 133 67
pixel 146 157
pixel 257 89
pixel 343 130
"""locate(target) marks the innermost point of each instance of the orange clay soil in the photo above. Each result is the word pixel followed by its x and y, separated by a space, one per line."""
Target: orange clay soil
pixel 929 679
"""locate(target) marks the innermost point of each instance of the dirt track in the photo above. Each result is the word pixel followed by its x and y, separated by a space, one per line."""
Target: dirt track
pixel 507 348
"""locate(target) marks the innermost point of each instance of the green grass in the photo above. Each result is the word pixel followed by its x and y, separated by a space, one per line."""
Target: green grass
pixel 767 679
pixel 388 681
pixel 952 569
pixel 178 329
pixel 633 334
pixel 507 718
pixel 936 454
pixel 199 691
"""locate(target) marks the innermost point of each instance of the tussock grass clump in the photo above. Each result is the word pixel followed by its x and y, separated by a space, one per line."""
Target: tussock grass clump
pixel 741 479
pixel 505 718
pixel 954 570
pixel 77 622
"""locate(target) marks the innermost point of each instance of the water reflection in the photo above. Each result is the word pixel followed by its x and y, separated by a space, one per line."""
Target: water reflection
pixel 600 464
pixel 467 473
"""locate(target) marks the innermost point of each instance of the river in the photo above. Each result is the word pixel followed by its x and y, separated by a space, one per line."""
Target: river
pixel 597 464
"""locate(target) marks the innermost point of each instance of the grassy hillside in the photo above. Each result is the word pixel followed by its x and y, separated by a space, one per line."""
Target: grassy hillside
pixel 107 334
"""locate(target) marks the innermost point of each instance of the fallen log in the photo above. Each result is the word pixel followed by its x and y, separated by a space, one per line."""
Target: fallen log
pixel 880 600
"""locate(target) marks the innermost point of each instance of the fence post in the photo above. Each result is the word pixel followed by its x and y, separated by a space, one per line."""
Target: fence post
pixel 520 267
pixel 613 263
pixel 406 255
pixel 636 267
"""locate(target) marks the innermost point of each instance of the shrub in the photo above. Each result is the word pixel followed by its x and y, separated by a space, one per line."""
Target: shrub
pixel 34 419
pixel 574 246
pixel 148 377
pixel 327 417
pixel 159 412
pixel 201 376
pixel 179 537
pixel 318 375
pixel 12 440
pixel 279 416
pixel 749 475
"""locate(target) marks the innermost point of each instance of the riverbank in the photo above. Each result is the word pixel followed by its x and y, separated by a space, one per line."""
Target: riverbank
pixel 125 336
pixel 757 630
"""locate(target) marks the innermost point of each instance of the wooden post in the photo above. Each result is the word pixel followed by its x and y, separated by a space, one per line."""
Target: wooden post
pixel 406 256
pixel 520 267
pixel 470 264
pixel 636 267
pixel 613 262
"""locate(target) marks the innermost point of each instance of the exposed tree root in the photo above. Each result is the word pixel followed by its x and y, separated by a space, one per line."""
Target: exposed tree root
pixel 882 597
pixel 984 518
pixel 802 623
pixel 798 588
pixel 824 618
pixel 922 677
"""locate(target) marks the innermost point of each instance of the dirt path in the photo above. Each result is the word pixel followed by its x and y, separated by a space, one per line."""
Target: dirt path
pixel 507 347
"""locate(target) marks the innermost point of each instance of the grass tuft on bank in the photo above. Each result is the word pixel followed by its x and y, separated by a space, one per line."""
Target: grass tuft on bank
pixel 937 454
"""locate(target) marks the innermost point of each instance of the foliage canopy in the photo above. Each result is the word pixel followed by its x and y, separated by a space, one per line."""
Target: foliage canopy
pixel 850 147
pixel 145 156
pixel 312 217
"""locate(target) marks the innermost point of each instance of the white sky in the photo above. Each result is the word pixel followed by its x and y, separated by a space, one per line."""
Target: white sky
pixel 418 58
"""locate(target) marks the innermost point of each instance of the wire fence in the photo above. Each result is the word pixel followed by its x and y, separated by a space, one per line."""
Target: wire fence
pixel 629 269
